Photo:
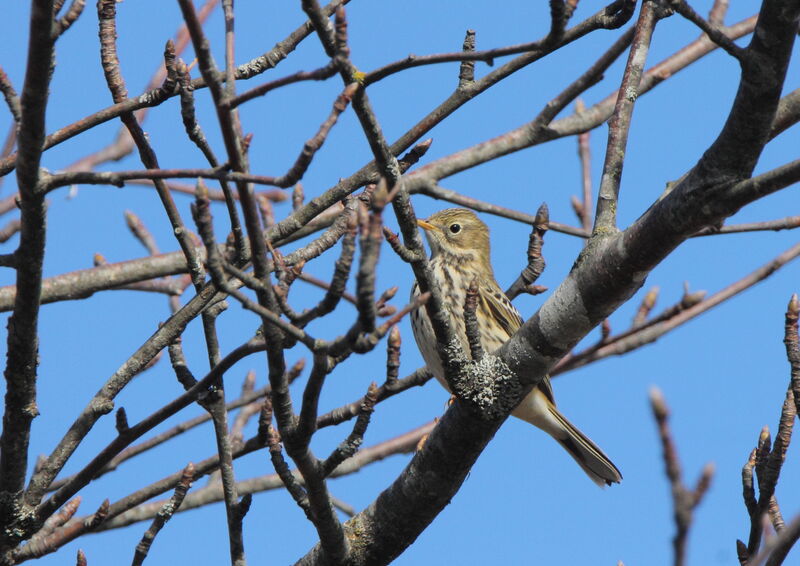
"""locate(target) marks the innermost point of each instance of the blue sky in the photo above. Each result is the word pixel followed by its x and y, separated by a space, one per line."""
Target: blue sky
pixel 724 374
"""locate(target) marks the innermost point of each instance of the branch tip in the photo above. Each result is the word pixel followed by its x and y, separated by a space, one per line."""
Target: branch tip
pixel 122 421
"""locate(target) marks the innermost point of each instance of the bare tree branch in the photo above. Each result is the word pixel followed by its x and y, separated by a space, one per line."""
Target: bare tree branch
pixel 618 127
pixel 164 515
pixel 23 341
pixel 689 307
pixel 684 500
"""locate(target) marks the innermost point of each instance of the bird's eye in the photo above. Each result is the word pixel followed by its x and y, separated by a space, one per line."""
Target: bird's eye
pixel 455 228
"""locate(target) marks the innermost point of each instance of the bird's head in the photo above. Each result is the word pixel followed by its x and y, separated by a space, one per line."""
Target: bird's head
pixel 459 234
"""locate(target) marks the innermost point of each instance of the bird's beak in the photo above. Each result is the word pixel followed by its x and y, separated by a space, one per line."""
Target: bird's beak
pixel 425 225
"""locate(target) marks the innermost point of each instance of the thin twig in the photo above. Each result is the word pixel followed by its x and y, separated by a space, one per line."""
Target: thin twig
pixel 401 444
pixel 585 155
pixel 320 74
pixel 471 326
pixel 647 304
pixel 164 514
pixel 351 444
pixel 536 262
pixel 684 500
pixel 160 87
pixel 11 97
pixel 767 460
pixel 618 127
pixel 73 13
pixel 711 29
pixel 671 318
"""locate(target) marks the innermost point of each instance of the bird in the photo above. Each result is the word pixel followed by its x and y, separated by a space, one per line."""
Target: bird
pixel 460 254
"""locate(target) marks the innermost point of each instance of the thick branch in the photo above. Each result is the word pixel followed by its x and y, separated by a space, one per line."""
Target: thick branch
pixel 23 341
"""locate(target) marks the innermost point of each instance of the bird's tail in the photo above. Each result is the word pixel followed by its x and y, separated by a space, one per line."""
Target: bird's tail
pixel 600 469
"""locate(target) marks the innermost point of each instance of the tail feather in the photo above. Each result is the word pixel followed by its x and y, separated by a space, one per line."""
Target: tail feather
pixel 539 409
pixel 586 453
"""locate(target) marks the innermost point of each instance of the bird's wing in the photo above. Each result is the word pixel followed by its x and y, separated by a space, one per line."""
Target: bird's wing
pixel 510 320
pixel 501 309
pixel 546 388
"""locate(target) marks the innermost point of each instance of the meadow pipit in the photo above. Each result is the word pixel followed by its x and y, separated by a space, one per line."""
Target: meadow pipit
pixel 459 244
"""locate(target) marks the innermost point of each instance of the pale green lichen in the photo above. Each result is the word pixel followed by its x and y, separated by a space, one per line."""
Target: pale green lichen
pixel 20 521
pixel 488 385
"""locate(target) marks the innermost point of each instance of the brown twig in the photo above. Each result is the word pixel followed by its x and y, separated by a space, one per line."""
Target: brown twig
pixel 11 97
pixel 792 348
pixel 584 211
pixel 466 71
pixel 388 389
pixel 403 443
pixel 155 175
pixel 160 87
pixel 321 74
pixel 246 412
pixel 73 13
pixel 536 263
pixel 684 500
pixel 195 133
pixel 296 172
pixel 397 246
pixel 351 444
pixel 106 11
pixel 11 227
pixel 298 196
pixel 140 231
pixel 647 304
pixel 61 536
pixel 440 193
pixel 717 13
pixel 164 514
pixel 542 128
pixel 370 244
pixel 85 475
pixel 768 461
pixel 335 291
pixel 691 306
pixel 776 549
pixel 709 28
pixel 291 483
pixel 618 127
pixel 471 326
pixel 356 341
pixel 246 400
pixel 156 96
pixel 234 509
pixel 7 148
pixel 57 520
pixel 270 195
pixel 322 284
pixel 787 223
pixel 392 357
pixel 612 17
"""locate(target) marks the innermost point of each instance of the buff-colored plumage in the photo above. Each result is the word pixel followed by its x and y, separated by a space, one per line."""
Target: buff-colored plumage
pixel 460 252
